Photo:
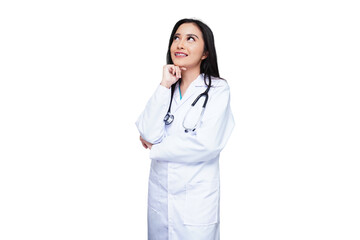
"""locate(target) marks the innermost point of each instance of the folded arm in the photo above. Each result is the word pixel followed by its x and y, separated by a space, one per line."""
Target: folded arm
pixel 151 121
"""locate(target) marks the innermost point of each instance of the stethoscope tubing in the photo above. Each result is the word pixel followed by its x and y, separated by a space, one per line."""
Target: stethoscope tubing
pixel 169 118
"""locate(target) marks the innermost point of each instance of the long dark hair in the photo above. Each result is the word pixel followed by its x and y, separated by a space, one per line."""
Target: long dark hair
pixel 209 65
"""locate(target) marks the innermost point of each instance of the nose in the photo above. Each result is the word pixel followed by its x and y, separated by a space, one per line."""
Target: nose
pixel 180 44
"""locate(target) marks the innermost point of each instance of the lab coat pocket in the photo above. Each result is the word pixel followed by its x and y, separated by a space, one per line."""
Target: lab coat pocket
pixel 202 203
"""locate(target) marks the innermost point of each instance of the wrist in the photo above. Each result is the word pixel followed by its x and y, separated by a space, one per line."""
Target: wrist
pixel 167 85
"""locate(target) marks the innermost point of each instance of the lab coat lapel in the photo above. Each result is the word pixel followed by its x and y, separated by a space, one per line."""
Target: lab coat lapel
pixel 189 92
pixel 192 89
pixel 176 97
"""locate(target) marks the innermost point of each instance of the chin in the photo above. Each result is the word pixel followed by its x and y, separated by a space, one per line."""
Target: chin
pixel 181 63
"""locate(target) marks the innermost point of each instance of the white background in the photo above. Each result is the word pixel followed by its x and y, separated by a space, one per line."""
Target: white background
pixel 75 75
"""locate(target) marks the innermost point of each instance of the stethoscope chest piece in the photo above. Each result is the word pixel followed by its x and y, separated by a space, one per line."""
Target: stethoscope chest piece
pixel 169 118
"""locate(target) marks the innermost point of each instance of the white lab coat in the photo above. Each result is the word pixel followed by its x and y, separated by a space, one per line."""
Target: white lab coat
pixel 184 184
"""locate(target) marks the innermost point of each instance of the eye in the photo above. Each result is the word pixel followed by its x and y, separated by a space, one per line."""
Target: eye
pixel 175 37
pixel 193 39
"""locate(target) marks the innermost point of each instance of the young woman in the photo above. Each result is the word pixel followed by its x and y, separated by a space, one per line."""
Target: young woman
pixel 186 124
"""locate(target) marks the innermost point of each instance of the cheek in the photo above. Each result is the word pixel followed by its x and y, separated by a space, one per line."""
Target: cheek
pixel 172 47
pixel 196 51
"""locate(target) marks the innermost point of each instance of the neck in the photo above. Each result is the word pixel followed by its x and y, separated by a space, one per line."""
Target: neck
pixel 188 76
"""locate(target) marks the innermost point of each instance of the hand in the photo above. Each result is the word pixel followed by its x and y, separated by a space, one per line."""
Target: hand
pixel 145 144
pixel 171 74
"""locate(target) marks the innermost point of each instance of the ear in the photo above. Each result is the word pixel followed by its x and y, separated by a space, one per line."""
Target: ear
pixel 205 55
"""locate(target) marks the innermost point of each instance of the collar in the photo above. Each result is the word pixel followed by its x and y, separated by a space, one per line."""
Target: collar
pixel 199 81
pixel 192 89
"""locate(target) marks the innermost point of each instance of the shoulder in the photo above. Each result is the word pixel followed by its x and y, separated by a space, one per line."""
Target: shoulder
pixel 219 83
pixel 219 94
pixel 220 90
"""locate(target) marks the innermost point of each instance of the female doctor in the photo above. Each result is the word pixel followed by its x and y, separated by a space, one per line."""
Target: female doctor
pixel 185 124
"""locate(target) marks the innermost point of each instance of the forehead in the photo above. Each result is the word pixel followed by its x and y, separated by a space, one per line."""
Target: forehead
pixel 189 28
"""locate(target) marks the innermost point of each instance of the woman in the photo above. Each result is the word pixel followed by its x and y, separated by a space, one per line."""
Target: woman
pixel 184 141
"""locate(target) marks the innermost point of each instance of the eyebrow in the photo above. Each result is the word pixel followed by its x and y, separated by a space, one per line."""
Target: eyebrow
pixel 187 35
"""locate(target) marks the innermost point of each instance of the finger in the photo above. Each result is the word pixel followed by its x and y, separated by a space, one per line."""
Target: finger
pixel 183 68
pixel 149 145
pixel 178 72
pixel 169 68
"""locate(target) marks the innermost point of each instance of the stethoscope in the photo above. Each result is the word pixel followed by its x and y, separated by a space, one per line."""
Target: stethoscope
pixel 169 118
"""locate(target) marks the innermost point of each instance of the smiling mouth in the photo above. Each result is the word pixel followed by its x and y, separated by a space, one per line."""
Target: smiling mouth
pixel 180 55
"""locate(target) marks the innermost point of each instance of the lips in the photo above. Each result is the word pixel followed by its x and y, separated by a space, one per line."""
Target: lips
pixel 180 54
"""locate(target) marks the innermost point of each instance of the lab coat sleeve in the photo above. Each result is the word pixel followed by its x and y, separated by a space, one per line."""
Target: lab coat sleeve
pixel 210 137
pixel 151 121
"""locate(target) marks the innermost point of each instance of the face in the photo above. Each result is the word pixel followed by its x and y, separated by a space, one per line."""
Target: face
pixel 187 48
